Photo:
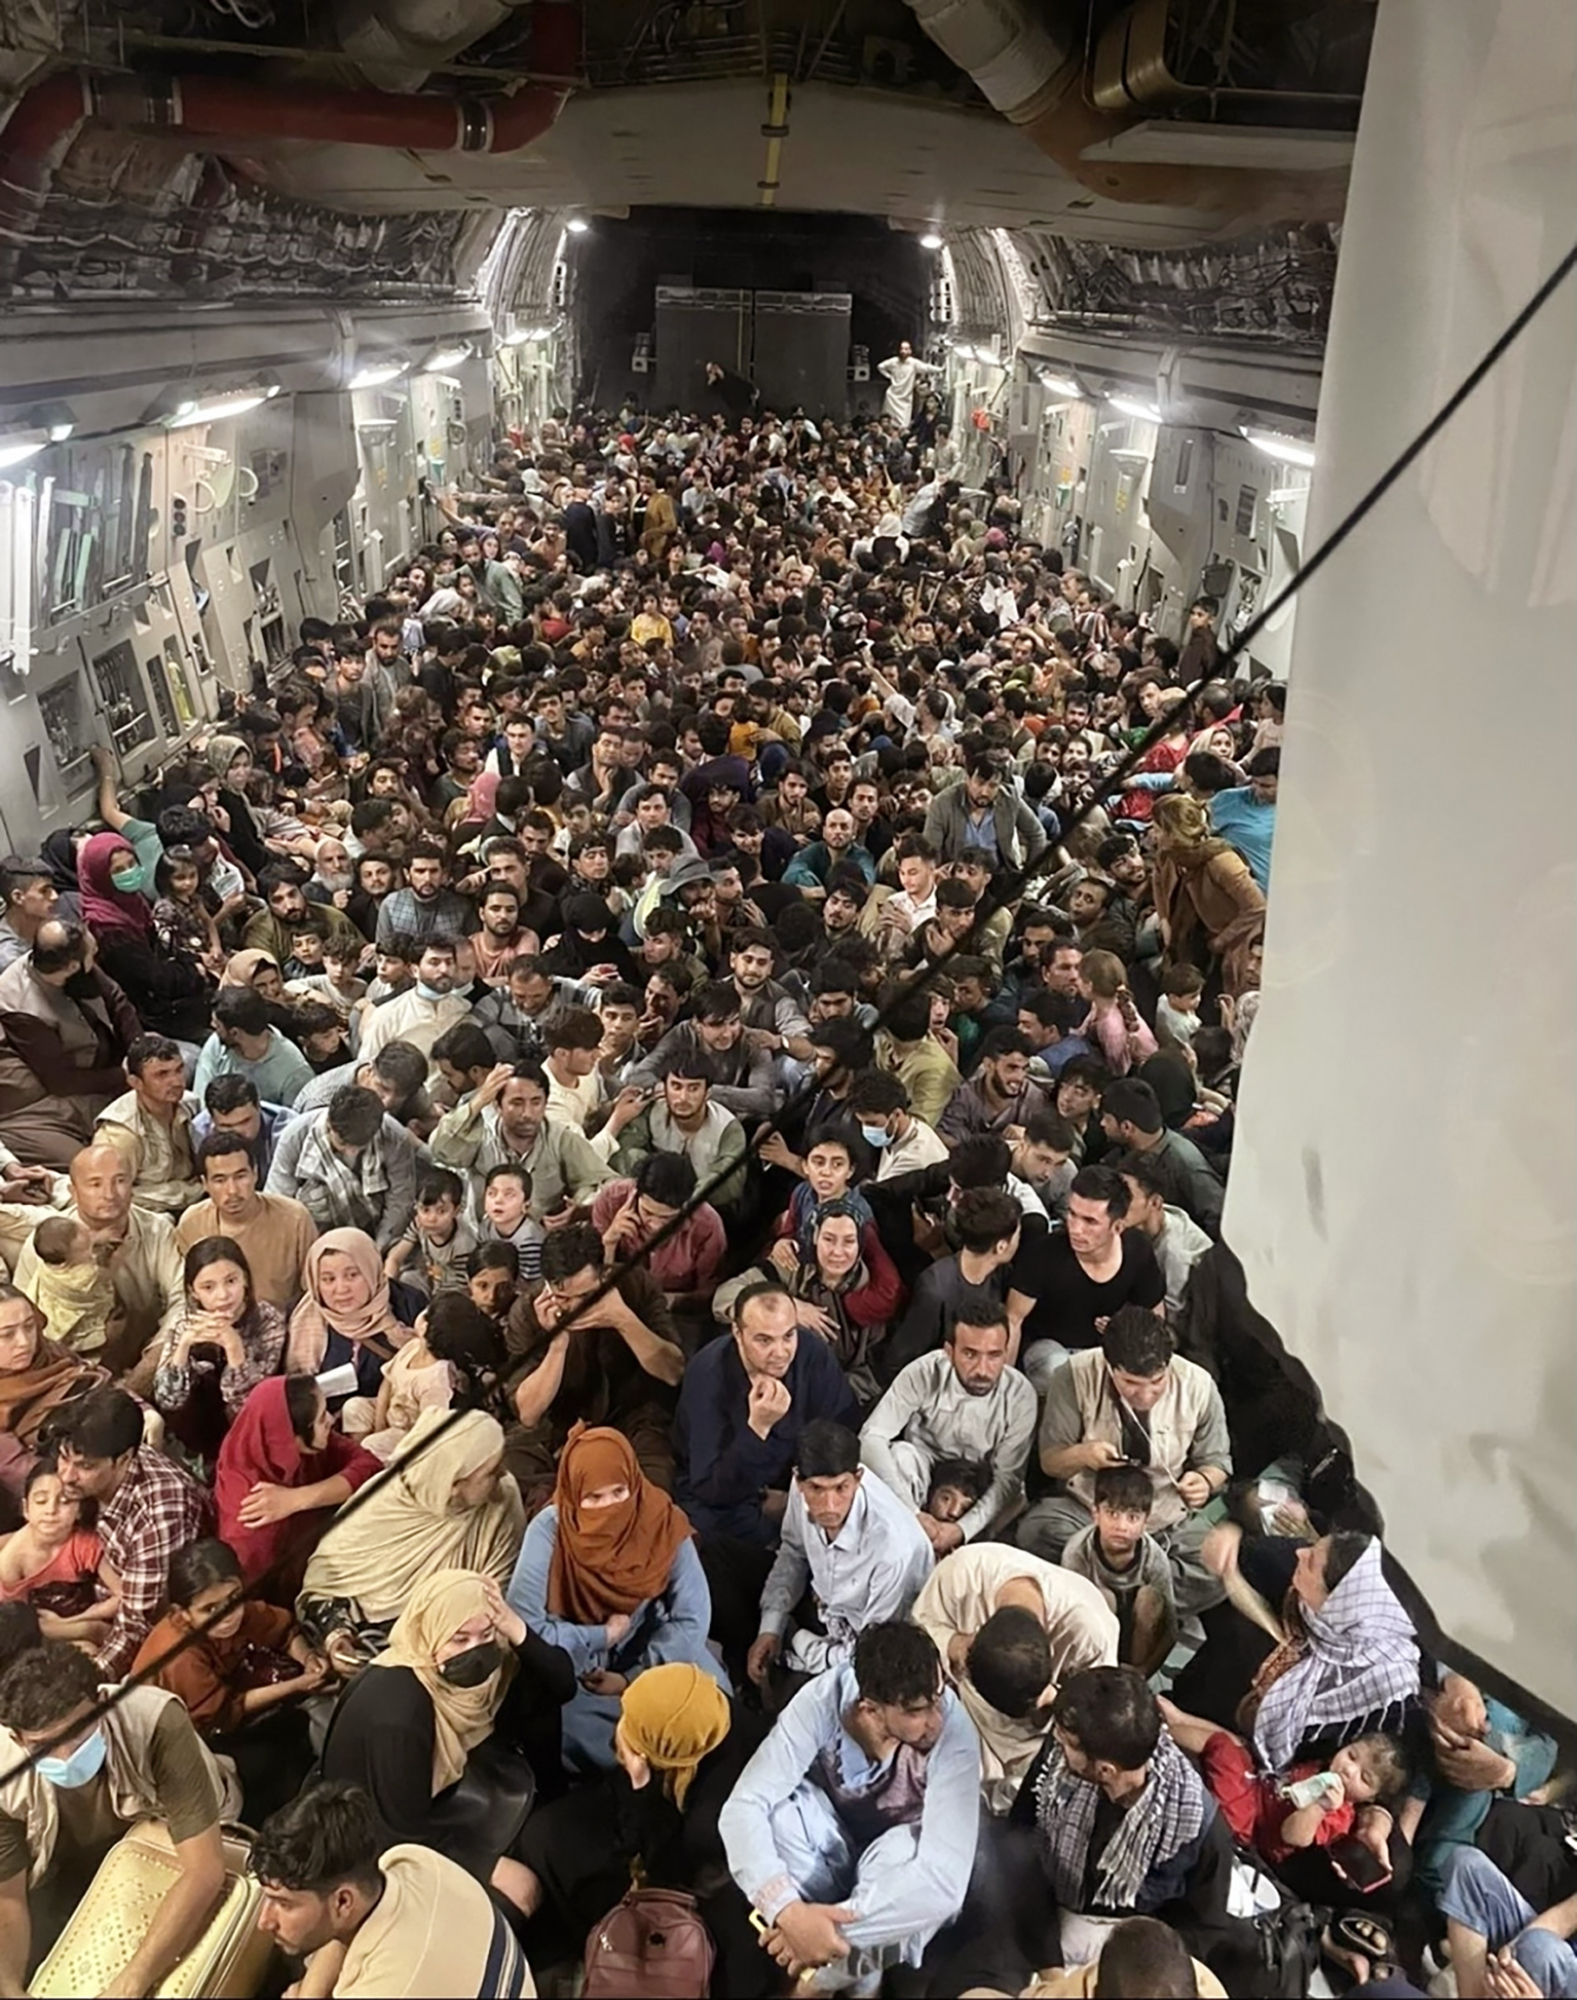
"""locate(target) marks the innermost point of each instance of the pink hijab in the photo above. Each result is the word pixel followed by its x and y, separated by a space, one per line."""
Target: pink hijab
pixel 481 800
pixel 104 907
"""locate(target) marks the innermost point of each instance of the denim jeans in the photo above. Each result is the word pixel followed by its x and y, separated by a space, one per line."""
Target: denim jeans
pixel 1479 1897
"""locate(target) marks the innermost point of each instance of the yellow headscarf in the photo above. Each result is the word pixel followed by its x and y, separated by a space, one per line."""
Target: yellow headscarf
pixel 462 1717
pixel 673 1716
pixel 402 1527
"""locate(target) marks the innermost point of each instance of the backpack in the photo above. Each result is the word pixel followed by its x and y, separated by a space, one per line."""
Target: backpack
pixel 652 1945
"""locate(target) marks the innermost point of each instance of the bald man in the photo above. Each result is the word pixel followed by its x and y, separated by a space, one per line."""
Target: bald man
pixel 141 1257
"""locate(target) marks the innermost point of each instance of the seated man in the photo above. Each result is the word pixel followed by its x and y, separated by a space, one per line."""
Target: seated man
pixel 1115 1822
pixel 396 1076
pixel 151 1127
pixel 960 1401
pixel 1140 1960
pixel 506 1121
pixel 851 1542
pixel 1132 1401
pixel 246 1043
pixel 1010 1628
pixel 96 1769
pixel 999 1094
pixel 405 1921
pixel 986 1224
pixel 685 1120
pixel 147 1509
pixel 744 1401
pixel 138 1250
pixel 1084 1274
pixel 1485 1912
pixel 613 1362
pixel 852 1829
pixel 420 1016
pixel 1131 1118
pixel 1175 1237
pixel 274 1232
pixel 231 1104
pixel 350 1167
pixel 745 1079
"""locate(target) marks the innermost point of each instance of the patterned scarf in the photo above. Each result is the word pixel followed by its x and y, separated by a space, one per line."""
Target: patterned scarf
pixel 1168 1814
pixel 1362 1655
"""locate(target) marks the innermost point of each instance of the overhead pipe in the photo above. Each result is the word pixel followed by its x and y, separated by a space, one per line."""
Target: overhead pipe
pixel 46 120
pixel 1032 71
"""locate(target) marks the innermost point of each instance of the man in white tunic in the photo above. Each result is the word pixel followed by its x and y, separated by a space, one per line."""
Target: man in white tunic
pixel 903 373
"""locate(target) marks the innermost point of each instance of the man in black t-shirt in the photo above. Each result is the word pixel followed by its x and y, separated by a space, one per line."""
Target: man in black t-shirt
pixel 1081 1275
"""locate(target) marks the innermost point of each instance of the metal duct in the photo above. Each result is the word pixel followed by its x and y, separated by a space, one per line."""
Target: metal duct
pixel 1032 72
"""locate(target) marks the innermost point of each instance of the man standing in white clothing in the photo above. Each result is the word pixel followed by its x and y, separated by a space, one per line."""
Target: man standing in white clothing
pixel 902 372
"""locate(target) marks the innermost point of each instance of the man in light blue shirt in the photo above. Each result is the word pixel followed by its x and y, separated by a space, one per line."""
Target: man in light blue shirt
pixel 853 1541
pixel 852 1830
pixel 1245 817
pixel 245 1043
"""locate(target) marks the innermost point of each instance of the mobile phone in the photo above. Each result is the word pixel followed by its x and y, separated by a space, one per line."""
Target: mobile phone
pixel 1362 1868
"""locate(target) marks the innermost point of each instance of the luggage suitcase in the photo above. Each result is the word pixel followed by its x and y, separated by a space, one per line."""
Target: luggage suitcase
pixel 227 1961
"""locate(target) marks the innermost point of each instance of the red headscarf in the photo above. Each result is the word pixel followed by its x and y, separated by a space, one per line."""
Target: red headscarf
pixel 261 1448
pixel 105 908
pixel 609 1559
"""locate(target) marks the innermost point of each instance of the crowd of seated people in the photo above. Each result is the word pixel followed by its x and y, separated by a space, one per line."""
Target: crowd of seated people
pixel 611 1199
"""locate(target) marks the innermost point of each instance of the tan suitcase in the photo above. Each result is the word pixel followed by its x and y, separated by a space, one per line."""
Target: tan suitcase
pixel 226 1963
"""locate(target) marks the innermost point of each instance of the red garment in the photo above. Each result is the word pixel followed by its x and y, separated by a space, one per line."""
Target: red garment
pixel 689 1260
pixel 261 1447
pixel 879 1298
pixel 105 910
pixel 1251 1803
pixel 1163 756
pixel 79 1557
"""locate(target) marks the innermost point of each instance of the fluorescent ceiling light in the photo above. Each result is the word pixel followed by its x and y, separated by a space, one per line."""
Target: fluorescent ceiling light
pixel 1059 385
pixel 442 359
pixel 1126 406
pixel 577 225
pixel 1285 450
pixel 20 447
pixel 930 240
pixel 58 433
pixel 375 374
pixel 216 408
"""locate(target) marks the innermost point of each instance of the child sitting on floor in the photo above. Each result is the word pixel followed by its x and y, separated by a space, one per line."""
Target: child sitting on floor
pixel 432 1253
pixel 57 1565
pixel 1128 1566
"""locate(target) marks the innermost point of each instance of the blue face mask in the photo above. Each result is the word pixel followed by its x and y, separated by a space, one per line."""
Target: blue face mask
pixel 80 1768
pixel 431 992
pixel 130 881
pixel 875 1135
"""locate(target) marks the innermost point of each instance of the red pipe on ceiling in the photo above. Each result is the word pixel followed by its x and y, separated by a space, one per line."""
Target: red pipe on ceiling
pixel 47 118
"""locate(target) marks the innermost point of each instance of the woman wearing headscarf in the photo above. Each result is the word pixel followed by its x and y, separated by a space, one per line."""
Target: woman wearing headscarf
pixel 171 994
pixel 60 853
pixel 1346 1664
pixel 349 1316
pixel 609 1572
pixel 258 970
pixel 65 1028
pixel 461 1669
pixel 680 1745
pixel 37 1378
pixel 281 1471
pixel 1210 906
pixel 444 1502
pixel 846 1288
pixel 231 758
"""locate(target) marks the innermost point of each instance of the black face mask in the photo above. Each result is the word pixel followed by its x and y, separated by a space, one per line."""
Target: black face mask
pixel 475 1665
pixel 82 986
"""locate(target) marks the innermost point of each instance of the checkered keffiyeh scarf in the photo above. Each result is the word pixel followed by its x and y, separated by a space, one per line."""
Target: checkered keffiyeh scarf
pixel 1362 1655
pixel 1167 1815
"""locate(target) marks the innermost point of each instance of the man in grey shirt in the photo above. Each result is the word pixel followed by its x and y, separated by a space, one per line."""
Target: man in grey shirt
pixel 960 1401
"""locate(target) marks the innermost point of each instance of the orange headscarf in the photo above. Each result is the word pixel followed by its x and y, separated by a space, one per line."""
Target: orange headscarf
pixel 609 1559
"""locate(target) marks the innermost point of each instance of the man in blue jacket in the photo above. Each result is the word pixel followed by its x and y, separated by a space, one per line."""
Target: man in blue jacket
pixel 743 1402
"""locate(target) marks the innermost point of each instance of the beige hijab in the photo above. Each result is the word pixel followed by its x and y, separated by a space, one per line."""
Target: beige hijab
pixel 462 1717
pixel 402 1527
